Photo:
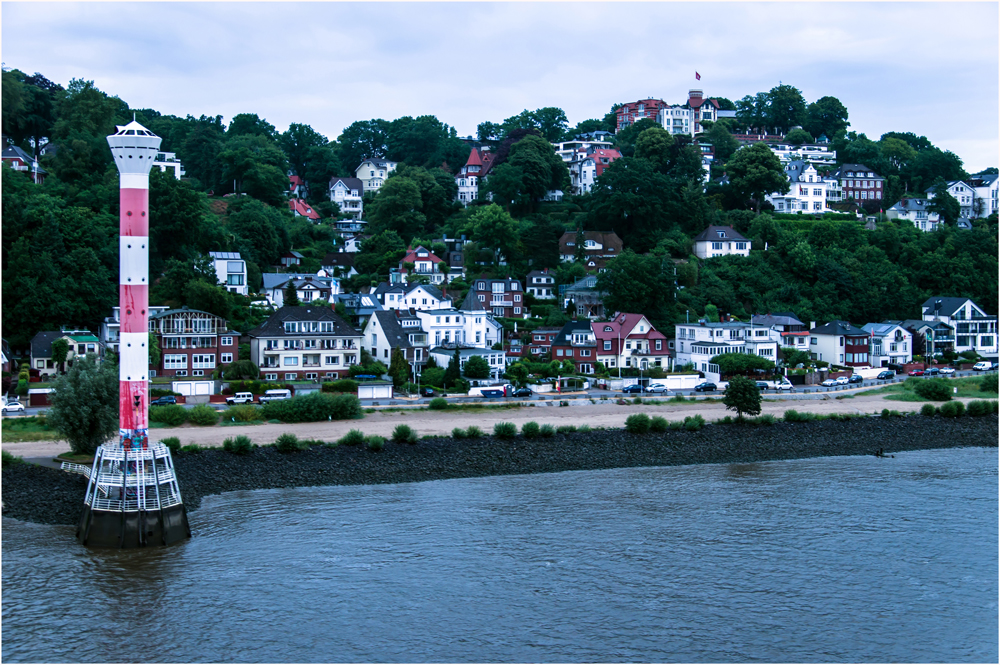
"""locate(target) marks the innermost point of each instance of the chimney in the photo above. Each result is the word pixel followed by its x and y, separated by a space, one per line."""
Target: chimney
pixel 812 324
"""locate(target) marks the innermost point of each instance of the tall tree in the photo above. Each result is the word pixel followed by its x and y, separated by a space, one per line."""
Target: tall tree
pixel 297 142
pixel 786 108
pixel 397 207
pixel 364 138
pixel 755 172
pixel 496 230
pixel 249 124
pixel 257 167
pixel 85 404
pixel 826 116
pixel 640 283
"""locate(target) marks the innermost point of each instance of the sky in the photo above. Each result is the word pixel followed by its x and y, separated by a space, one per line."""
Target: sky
pixel 928 68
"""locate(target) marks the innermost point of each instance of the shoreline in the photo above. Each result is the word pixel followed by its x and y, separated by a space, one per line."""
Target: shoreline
pixel 49 496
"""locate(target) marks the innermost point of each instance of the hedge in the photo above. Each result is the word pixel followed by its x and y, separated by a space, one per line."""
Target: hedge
pixel 313 407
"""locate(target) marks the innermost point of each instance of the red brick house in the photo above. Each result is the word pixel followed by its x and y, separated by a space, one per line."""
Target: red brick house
pixel 192 342
pixel 576 342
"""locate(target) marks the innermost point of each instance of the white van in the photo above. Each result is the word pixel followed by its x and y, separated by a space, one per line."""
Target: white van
pixel 275 395
pixel 983 366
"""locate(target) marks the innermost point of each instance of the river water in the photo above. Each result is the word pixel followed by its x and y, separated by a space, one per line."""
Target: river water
pixel 839 559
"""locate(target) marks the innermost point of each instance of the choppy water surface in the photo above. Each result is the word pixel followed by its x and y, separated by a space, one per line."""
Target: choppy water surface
pixel 833 559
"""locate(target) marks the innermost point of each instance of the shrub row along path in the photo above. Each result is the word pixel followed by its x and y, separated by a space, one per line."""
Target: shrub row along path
pixel 440 423
pixel 41 494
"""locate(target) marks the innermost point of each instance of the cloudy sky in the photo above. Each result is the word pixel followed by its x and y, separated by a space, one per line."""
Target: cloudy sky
pixel 927 68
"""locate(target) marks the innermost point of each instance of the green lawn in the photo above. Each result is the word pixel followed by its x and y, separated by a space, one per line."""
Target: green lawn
pixel 27 428
pixel 903 392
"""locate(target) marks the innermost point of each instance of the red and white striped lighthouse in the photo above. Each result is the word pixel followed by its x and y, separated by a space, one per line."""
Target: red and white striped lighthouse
pixel 134 148
pixel 133 499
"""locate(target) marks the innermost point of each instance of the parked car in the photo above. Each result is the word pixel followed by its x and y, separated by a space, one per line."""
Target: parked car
pixel 656 388
pixel 166 399
pixel 932 371
pixel 982 366
pixel 947 370
pixel 762 385
pixel 916 372
pixel 426 392
pixel 856 378
pixel 842 380
pixel 634 388
pixel 13 407
pixel 705 387
pixel 523 392
pixel 887 374
pixel 829 383
pixel 240 398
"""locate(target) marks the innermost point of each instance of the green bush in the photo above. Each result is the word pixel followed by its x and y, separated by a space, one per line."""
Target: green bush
pixel 530 430
pixel 793 416
pixel 9 459
pixel 353 438
pixel 243 413
pixel 289 443
pixel 313 407
pixel 171 414
pixel 583 429
pixel 374 442
pixel 936 390
pixel 979 408
pixel 928 410
pixel 637 423
pixel 547 431
pixel 885 413
pixel 765 419
pixel 637 400
pixel 694 423
pixel 458 433
pixel 473 432
pixel 676 425
pixel 566 429
pixel 658 424
pixel 438 404
pixel 172 443
pixel 341 386
pixel 203 415
pixel 238 445
pixel 990 383
pixel 404 434
pixel 952 409
pixel 191 448
pixel 505 430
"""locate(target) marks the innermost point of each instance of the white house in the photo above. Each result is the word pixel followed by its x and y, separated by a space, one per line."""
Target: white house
pixel 890 343
pixel 411 296
pixel 783 328
pixel 308 288
pixel 399 329
pixel 815 153
pixel 471 176
pixel 231 270
pixel 839 343
pixel 975 330
pixel 915 212
pixel 304 342
pixel 806 193
pixel 567 149
pixel 372 173
pixel 541 284
pixel 677 119
pixel 587 165
pixel 168 160
pixel 987 189
pixel 963 193
pixel 347 194
pixel 720 241
pixel 697 343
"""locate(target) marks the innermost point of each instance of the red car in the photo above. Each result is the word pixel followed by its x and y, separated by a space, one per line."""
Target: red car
pixel 917 372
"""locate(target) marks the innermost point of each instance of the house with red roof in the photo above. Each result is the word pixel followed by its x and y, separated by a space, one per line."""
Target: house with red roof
pixel 19 160
pixel 628 114
pixel 425 264
pixel 297 188
pixel 704 109
pixel 587 165
pixel 630 340
pixel 302 209
pixel 470 176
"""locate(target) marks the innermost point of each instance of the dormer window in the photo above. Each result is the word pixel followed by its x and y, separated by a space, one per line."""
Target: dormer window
pixel 722 234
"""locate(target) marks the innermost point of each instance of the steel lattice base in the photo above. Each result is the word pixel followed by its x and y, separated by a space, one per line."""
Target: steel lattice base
pixel 132 499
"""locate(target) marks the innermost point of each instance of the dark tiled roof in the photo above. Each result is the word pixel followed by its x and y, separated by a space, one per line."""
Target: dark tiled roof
pixel 41 343
pixel 351 183
pixel 712 234
pixel 393 331
pixel 839 328
pixel 610 242
pixel 948 306
pixel 275 325
pixel 562 339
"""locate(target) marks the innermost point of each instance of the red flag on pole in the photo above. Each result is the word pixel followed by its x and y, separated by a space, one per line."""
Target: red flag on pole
pixel 697 76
